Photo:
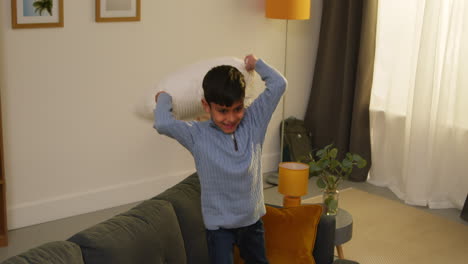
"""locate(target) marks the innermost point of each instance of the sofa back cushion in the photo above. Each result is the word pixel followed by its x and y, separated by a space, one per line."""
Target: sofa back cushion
pixel 57 252
pixel 185 198
pixel 147 233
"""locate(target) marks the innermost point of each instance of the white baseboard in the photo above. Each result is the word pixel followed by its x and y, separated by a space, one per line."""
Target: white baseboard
pixel 59 207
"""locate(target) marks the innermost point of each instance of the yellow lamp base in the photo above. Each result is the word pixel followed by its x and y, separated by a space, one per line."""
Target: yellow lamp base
pixel 291 201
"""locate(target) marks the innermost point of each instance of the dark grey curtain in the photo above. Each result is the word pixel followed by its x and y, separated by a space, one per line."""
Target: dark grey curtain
pixel 338 108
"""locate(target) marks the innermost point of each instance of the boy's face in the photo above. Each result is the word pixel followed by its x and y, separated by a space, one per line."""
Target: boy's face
pixel 227 118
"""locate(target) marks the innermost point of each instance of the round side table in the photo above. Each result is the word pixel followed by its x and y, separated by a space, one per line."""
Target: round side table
pixel 344 230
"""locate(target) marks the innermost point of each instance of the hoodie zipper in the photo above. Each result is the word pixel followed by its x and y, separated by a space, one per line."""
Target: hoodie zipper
pixel 233 136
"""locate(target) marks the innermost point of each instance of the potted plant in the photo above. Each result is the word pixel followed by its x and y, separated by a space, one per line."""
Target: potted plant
pixel 331 172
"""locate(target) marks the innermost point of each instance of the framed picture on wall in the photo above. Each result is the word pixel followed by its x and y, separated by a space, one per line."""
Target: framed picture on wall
pixel 36 13
pixel 117 10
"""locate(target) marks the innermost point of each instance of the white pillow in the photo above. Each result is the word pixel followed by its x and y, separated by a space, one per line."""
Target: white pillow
pixel 185 87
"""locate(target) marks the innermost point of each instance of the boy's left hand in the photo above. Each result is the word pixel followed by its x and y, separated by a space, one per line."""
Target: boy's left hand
pixel 157 95
pixel 250 61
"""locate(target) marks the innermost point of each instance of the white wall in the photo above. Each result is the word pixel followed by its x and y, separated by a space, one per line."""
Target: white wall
pixel 303 37
pixel 72 143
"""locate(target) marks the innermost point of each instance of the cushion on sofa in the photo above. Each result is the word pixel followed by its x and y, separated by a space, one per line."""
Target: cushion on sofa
pixel 290 233
pixel 57 252
pixel 147 233
pixel 185 198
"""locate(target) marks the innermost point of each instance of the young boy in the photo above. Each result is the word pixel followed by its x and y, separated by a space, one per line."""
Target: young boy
pixel 227 150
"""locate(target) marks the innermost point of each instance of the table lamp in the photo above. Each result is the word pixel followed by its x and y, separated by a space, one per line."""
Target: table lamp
pixel 285 9
pixel 293 182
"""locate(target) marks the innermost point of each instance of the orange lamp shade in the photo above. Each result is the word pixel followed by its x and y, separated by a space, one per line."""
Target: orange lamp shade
pixel 293 178
pixel 287 9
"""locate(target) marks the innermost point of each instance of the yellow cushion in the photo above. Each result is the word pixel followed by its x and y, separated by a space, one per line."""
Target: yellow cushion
pixel 290 234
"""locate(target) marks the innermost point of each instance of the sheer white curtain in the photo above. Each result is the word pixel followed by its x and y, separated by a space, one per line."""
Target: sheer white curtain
pixel 419 101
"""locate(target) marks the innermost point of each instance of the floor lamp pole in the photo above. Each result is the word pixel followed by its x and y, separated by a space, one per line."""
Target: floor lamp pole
pixel 284 95
pixel 272 178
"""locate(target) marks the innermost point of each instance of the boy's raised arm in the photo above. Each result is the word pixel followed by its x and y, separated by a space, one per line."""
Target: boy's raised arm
pixel 166 124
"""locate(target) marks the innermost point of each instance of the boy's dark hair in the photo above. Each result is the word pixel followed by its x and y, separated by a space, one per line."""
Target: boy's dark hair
pixel 224 85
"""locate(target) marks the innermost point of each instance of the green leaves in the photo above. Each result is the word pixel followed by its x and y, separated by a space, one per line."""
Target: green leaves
pixel 333 153
pixel 347 163
pixel 361 163
pixel 313 167
pixel 330 170
pixel 321 183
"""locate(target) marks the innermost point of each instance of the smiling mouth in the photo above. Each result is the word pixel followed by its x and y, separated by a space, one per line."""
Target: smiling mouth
pixel 229 126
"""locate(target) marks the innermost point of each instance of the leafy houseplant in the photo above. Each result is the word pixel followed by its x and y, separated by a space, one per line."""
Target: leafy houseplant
pixel 331 172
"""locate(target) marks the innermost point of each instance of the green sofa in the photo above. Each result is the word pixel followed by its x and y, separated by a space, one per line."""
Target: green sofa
pixel 165 229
